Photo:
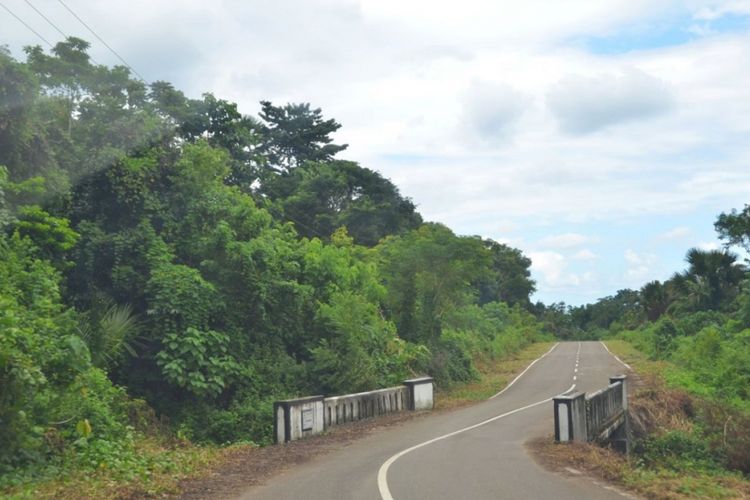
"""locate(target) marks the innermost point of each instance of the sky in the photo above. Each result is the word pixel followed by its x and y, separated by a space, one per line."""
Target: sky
pixel 601 138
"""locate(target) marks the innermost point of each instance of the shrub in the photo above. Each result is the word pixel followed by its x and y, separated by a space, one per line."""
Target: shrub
pixel 679 450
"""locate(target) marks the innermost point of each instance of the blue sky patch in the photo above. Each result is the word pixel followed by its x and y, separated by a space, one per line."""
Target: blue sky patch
pixel 663 33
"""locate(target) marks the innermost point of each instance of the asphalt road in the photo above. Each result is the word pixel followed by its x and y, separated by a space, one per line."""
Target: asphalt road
pixel 471 453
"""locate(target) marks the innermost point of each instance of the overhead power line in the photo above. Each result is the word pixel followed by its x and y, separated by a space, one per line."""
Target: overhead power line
pixel 102 40
pixel 65 36
pixel 46 18
pixel 25 24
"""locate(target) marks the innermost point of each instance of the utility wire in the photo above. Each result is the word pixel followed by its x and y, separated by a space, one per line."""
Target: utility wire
pixel 101 40
pixel 46 18
pixel 54 25
pixel 24 23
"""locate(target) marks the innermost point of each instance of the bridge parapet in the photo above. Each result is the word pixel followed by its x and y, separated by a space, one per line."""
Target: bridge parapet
pixel 596 417
pixel 298 418
pixel 351 407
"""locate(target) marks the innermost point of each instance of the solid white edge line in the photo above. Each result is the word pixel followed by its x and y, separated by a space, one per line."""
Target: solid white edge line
pixel 618 359
pixel 527 369
pixel 385 492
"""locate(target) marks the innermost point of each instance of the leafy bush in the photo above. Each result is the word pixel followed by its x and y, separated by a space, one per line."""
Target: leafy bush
pixel 679 450
pixel 53 402
pixel 248 419
pixel 359 350
pixel 451 360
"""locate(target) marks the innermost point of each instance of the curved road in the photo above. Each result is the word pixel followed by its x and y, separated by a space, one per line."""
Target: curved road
pixel 472 453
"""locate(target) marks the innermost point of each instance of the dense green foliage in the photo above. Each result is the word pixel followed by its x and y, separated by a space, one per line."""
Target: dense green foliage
pixel 166 251
pixel 697 326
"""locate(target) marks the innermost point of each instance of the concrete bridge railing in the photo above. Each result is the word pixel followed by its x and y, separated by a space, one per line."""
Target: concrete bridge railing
pixel 597 417
pixel 340 409
pixel 298 418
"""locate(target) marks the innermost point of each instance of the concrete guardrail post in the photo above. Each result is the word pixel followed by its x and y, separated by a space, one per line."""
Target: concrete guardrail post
pixel 624 380
pixel 570 417
pixel 622 439
pixel 420 393
pixel 297 418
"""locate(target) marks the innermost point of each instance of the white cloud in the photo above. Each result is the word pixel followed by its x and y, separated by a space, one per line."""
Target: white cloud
pixel 640 267
pixel 492 109
pixel 587 104
pixel 585 254
pixel 567 240
pixel 411 81
pixel 715 11
pixel 551 271
pixel 678 233
pixel 708 245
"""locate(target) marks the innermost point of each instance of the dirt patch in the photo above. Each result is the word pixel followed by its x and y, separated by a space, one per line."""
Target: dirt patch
pixel 247 466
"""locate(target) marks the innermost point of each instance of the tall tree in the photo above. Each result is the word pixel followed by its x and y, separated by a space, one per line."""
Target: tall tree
pixel 509 280
pixel 711 280
pixel 293 134
pixel 429 273
pixel 654 299
pixel 734 227
pixel 321 197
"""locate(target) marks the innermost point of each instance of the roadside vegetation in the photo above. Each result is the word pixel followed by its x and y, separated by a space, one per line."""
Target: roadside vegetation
pixel 685 445
pixel 688 339
pixel 494 375
pixel 170 266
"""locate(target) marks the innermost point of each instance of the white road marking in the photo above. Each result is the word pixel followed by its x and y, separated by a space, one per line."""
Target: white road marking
pixel 618 359
pixel 385 492
pixel 527 369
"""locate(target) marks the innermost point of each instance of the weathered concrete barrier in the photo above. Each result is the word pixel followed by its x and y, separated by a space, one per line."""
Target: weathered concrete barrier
pixel 351 407
pixel 298 418
pixel 605 409
pixel 599 417
pixel 570 417
pixel 420 393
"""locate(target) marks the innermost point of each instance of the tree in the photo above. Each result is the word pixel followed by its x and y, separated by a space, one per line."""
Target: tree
pixel 711 280
pixel 321 197
pixel 734 227
pixel 68 71
pixel 509 280
pixel 221 124
pixel 429 273
pixel 293 134
pixel 654 299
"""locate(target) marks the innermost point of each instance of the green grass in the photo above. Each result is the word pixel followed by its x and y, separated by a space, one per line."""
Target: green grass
pixel 629 473
pixel 493 377
pixel 162 470
pixel 668 467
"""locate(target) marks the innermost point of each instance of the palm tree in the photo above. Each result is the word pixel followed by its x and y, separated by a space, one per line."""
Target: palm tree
pixel 712 280
pixel 112 335
pixel 654 299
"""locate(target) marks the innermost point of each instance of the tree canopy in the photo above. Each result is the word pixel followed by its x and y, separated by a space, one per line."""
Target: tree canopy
pixel 169 252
